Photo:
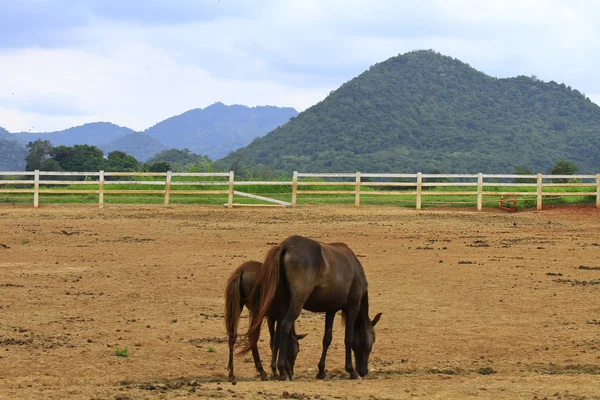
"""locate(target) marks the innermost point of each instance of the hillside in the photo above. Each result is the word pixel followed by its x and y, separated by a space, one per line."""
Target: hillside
pixel 136 144
pixel 219 129
pixel 12 153
pixel 423 111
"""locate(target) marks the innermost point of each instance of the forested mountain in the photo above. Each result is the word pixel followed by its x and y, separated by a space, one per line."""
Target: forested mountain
pixel 423 111
pixel 136 144
pixel 12 153
pixel 4 134
pixel 219 129
pixel 213 131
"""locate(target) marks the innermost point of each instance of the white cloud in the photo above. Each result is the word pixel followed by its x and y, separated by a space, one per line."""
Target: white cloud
pixel 136 86
pixel 136 72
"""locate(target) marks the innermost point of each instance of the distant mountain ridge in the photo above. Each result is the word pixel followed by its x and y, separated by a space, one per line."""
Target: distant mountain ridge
pixel 213 131
pixel 422 112
pixel 93 133
pixel 219 129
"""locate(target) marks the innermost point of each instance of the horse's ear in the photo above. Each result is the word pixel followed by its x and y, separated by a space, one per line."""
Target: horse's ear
pixel 376 319
pixel 302 336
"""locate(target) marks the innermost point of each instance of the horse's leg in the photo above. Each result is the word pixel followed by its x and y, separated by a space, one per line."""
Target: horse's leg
pixel 232 337
pixel 258 364
pixel 327 336
pixel 289 369
pixel 274 344
pixel 351 314
pixel 271 324
pixel 285 328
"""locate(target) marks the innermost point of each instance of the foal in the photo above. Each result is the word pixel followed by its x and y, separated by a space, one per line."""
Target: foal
pixel 237 292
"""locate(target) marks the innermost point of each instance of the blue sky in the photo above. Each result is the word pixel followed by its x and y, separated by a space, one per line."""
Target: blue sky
pixel 137 62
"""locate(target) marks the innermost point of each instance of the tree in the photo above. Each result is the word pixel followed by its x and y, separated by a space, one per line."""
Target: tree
pixel 180 160
pixel 80 157
pixel 50 165
pixel 38 151
pixel 519 170
pixel 160 166
pixel 563 167
pixel 121 161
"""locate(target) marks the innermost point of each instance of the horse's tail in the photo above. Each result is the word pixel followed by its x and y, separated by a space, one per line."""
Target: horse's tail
pixel 233 307
pixel 262 296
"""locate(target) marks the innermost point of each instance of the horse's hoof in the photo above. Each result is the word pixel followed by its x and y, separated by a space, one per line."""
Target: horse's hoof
pixel 321 375
pixel 354 375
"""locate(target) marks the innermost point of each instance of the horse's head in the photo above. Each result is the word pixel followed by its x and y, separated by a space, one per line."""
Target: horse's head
pixel 364 338
pixel 293 350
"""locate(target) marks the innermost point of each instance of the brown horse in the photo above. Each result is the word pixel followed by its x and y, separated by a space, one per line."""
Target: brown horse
pixel 237 292
pixel 302 273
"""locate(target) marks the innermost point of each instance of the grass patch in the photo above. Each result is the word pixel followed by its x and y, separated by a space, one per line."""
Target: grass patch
pixel 122 352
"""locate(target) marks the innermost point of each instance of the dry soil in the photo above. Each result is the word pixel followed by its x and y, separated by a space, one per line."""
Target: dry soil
pixel 496 305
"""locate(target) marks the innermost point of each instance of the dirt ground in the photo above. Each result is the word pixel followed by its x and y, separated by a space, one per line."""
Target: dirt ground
pixel 489 305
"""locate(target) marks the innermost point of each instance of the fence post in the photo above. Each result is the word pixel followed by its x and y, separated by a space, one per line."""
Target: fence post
pixel 294 188
pixel 101 189
pixel 479 191
pixel 36 189
pixel 539 192
pixel 230 196
pixel 357 191
pixel 598 191
pixel 167 187
pixel 419 189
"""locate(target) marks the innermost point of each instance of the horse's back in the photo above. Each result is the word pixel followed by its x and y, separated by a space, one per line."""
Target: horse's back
pixel 326 274
pixel 302 251
pixel 250 271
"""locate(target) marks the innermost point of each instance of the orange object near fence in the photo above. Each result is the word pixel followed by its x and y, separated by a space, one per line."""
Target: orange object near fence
pixel 508 203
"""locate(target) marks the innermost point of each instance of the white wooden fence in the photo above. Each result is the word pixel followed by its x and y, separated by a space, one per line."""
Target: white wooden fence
pixel 412 184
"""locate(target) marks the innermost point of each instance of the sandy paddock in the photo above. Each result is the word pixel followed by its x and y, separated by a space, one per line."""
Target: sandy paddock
pixel 494 305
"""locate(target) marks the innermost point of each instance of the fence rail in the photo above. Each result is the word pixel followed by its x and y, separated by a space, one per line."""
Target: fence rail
pixel 358 184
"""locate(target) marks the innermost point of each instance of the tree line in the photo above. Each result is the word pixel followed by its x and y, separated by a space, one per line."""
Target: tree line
pixel 82 158
pixel 43 156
